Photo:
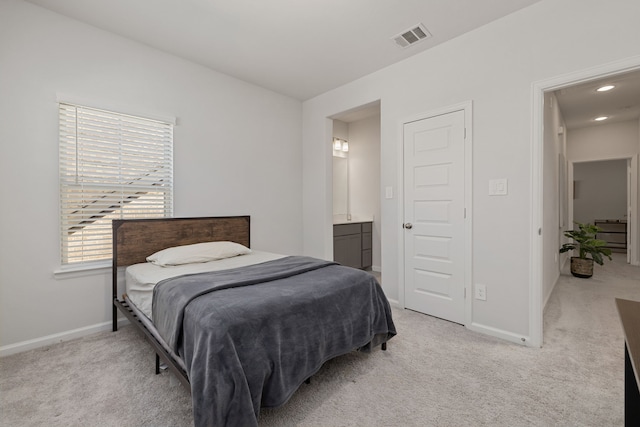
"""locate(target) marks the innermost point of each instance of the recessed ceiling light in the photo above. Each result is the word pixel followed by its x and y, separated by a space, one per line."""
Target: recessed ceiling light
pixel 605 88
pixel 601 118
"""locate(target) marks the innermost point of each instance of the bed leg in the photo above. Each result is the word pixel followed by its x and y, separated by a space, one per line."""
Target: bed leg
pixel 157 364
pixel 114 316
pixel 384 346
pixel 307 381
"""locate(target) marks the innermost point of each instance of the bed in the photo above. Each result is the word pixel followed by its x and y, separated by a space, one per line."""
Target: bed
pixel 244 330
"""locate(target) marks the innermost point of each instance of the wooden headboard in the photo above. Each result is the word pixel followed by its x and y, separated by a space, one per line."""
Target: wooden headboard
pixel 135 239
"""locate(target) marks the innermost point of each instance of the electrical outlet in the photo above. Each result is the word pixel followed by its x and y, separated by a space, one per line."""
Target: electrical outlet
pixel 481 292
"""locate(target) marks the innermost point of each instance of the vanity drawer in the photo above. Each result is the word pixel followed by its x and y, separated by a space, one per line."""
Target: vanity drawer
pixel 346 229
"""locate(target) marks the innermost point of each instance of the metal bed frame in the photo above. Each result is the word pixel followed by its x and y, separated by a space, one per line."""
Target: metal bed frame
pixel 135 239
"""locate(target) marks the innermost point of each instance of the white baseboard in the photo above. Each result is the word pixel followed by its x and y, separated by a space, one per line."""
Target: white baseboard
pixel 20 347
pixel 548 296
pixel 376 268
pixel 499 333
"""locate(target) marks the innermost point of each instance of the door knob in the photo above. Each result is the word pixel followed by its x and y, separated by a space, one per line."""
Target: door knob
pixel 408 226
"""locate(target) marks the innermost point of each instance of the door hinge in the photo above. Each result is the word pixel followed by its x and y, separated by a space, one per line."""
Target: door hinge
pixel 465 212
pixel 465 293
pixel 465 133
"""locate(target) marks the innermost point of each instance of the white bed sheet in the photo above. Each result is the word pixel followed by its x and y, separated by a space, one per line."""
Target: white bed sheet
pixel 140 279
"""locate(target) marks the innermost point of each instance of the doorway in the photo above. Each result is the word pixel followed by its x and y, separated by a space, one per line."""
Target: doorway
pixel 543 229
pixel 437 217
pixel 434 178
pixel 356 185
pixel 601 196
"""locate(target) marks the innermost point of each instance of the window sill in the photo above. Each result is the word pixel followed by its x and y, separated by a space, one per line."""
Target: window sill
pixel 85 269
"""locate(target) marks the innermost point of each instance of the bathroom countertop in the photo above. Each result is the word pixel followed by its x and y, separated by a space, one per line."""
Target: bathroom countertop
pixel 355 219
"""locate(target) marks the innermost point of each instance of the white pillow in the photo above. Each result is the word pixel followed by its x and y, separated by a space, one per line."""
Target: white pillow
pixel 199 252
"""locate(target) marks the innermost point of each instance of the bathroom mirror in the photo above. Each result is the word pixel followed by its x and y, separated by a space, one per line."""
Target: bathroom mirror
pixel 340 186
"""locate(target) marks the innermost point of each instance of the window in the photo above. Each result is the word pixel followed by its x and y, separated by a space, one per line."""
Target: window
pixel 112 166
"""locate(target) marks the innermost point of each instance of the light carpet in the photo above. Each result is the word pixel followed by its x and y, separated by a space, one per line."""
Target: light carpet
pixel 434 373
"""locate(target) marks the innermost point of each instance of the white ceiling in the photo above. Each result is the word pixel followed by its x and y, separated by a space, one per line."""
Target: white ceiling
pixel 300 48
pixel 580 104
pixel 359 113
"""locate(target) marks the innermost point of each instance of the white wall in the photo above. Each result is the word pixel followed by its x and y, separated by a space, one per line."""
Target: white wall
pixel 364 176
pixel 600 190
pixel 604 141
pixel 341 129
pixel 495 67
pixel 555 216
pixel 237 151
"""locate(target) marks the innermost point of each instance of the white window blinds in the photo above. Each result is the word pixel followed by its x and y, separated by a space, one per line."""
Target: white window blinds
pixel 112 166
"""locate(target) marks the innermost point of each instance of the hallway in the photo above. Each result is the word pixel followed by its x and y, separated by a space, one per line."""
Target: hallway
pixel 581 325
pixel 584 309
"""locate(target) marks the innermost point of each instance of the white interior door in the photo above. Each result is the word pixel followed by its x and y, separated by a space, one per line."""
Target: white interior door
pixel 434 235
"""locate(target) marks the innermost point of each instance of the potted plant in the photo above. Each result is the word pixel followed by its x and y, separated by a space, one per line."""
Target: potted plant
pixel 585 242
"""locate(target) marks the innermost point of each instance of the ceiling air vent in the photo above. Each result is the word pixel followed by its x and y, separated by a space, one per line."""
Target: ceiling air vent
pixel 411 36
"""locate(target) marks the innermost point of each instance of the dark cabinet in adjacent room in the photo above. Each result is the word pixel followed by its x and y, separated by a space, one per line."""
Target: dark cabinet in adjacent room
pixel 352 244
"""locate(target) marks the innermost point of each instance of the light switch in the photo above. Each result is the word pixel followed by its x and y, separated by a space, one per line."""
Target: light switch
pixel 498 187
pixel 388 192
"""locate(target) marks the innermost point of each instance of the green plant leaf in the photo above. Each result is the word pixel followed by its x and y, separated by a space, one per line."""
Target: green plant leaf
pixel 586 243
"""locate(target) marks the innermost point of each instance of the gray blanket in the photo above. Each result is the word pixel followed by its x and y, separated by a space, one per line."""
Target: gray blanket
pixel 250 346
